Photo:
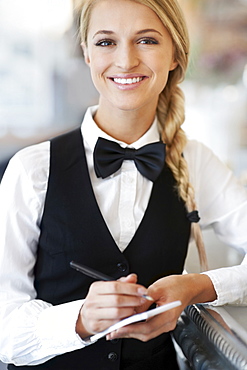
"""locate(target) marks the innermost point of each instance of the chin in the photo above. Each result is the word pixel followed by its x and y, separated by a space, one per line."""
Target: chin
pixel 132 105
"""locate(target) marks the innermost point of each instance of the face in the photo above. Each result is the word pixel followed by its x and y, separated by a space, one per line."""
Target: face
pixel 130 54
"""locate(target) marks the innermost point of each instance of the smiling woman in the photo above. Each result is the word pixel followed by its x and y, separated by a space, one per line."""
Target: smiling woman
pixel 129 64
pixel 121 196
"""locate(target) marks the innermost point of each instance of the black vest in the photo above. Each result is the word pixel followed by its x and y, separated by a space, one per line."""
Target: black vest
pixel 73 228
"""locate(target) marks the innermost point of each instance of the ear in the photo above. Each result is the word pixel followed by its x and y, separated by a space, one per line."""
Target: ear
pixel 173 65
pixel 85 53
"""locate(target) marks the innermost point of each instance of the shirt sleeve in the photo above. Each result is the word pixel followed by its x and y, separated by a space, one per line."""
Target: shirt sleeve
pixel 32 331
pixel 222 205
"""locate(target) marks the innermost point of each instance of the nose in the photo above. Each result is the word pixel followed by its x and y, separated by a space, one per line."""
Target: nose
pixel 126 57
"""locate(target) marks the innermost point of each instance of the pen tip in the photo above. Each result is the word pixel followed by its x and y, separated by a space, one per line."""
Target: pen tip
pixel 148 297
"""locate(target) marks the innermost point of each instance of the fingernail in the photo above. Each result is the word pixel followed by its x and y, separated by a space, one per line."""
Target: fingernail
pixel 142 291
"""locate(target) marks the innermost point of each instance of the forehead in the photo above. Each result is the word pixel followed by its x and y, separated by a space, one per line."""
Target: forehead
pixel 123 16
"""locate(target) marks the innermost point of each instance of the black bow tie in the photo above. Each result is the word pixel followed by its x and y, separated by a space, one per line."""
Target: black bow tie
pixel 109 156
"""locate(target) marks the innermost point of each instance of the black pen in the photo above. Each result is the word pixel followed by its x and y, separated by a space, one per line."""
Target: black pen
pixel 97 275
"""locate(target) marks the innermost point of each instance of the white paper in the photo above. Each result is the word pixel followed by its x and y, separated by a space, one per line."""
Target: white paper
pixel 135 318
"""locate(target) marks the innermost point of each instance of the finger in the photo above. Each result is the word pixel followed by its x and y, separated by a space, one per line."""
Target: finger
pixel 148 330
pixel 142 332
pixel 96 319
pixel 117 287
pixel 143 307
pixel 132 278
pixel 114 301
pixel 106 318
pixel 112 313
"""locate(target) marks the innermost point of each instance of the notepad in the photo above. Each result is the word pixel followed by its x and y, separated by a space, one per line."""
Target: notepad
pixel 133 319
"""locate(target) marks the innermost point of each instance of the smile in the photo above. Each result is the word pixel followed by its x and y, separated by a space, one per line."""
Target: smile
pixel 128 81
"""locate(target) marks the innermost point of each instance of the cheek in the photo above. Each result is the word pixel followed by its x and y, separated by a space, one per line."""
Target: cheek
pixel 161 78
pixel 98 67
pixel 98 77
pixel 95 80
pixel 95 72
pixel 160 64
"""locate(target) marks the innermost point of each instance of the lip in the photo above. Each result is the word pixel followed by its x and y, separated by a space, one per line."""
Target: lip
pixel 127 75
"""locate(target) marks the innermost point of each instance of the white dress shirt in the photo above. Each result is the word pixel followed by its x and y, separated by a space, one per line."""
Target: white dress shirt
pixel 38 331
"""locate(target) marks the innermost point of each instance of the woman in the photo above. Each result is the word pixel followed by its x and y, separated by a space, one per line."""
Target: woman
pixel 60 204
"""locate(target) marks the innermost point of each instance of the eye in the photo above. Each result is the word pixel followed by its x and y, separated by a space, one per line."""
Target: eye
pixel 148 41
pixel 105 42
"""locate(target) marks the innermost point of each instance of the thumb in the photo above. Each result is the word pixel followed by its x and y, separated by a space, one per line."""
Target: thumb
pixel 131 278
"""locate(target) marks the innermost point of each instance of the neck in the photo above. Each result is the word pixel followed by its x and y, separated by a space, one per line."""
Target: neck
pixel 124 125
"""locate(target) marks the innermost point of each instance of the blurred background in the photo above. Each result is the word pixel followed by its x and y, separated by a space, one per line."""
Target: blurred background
pixel 216 83
pixel 45 85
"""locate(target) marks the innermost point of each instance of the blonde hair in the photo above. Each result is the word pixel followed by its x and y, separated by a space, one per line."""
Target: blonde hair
pixel 170 108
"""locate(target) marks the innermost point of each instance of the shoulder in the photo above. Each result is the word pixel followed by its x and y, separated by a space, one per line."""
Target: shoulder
pixel 33 159
pixel 208 174
pixel 30 167
pixel 25 180
pixel 36 152
pixel 202 160
pixel 195 150
pixel 218 192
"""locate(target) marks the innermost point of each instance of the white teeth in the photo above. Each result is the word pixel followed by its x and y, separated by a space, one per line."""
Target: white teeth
pixel 127 81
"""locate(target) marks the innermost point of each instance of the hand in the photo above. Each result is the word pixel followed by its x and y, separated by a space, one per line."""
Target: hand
pixel 108 302
pixel 189 289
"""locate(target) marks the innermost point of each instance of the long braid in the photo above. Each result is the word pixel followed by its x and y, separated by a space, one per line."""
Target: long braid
pixel 171 111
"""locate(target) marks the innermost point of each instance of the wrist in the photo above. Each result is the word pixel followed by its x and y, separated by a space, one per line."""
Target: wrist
pixel 203 288
pixel 80 328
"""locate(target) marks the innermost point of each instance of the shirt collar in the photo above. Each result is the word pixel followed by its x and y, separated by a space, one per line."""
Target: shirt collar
pixel 91 132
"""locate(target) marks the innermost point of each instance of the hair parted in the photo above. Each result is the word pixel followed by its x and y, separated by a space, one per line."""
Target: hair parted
pixel 171 107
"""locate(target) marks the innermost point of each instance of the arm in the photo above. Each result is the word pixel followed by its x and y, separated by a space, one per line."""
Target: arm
pixel 189 289
pixel 34 331
pixel 222 204
pixel 31 330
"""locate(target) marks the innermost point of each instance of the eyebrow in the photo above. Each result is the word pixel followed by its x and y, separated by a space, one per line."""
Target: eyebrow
pixel 108 32
pixel 148 30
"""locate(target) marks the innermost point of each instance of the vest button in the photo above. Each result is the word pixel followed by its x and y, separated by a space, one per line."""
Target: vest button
pixel 121 267
pixel 112 356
